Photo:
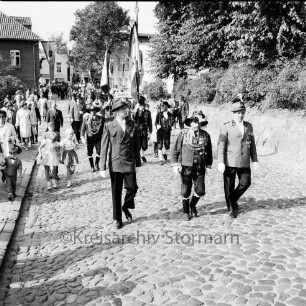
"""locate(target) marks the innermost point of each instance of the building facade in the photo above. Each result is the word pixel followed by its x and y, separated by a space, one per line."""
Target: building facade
pixel 19 49
pixel 63 72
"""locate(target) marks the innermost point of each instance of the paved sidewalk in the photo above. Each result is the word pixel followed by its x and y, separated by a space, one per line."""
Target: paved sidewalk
pixel 10 209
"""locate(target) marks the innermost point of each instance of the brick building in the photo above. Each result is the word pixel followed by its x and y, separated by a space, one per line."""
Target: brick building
pixel 19 49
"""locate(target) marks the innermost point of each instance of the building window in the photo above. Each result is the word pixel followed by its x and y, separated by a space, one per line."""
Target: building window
pixel 59 67
pixel 15 58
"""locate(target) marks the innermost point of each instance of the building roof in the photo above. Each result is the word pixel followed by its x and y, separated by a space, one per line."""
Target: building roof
pixel 12 29
pixel 25 21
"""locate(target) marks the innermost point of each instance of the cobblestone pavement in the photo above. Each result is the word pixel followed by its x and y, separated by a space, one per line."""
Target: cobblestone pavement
pixel 66 250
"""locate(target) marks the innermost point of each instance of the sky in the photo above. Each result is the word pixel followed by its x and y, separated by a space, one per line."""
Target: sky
pixel 52 18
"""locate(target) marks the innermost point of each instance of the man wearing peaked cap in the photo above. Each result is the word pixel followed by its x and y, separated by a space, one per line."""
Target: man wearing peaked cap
pixel 120 139
pixel 236 147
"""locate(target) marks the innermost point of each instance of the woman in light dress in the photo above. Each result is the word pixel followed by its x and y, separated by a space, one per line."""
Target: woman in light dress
pixel 24 121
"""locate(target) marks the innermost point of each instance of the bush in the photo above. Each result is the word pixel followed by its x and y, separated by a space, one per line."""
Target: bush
pixel 156 90
pixel 280 85
pixel 200 90
pixel 8 86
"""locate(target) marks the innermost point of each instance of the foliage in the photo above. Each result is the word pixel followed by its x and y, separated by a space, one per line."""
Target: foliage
pixel 8 83
pixel 202 34
pixel 99 24
pixel 156 90
pixel 60 44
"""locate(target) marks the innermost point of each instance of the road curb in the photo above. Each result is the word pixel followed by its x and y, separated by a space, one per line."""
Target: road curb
pixel 6 232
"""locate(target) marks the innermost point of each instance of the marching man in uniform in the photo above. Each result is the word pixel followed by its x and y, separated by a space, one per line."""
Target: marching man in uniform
pixel 120 138
pixel 236 146
pixel 143 119
pixel 92 128
pixel 192 149
pixel 164 122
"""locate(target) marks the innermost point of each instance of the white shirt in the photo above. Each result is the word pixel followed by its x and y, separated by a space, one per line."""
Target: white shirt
pixel 241 127
pixel 122 123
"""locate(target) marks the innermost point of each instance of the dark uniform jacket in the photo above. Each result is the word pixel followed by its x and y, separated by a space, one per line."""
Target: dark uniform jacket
pixel 124 151
pixel 165 124
pixel 235 150
pixel 143 120
pixel 56 117
pixel 183 153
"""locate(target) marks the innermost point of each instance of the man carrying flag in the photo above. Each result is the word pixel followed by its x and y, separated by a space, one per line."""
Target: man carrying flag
pixel 136 57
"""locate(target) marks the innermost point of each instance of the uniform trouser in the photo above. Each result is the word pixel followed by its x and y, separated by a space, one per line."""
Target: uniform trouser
pixel 195 175
pixel 11 183
pixel 130 184
pixel 233 194
pixel 163 139
pixel 143 139
pixel 93 142
pixel 76 126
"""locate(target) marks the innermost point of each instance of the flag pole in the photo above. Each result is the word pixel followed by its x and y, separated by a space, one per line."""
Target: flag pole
pixel 137 71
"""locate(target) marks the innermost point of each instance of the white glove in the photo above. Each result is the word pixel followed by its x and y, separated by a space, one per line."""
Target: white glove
pixel 255 166
pixel 103 173
pixel 158 126
pixel 176 170
pixel 221 167
pixel 83 140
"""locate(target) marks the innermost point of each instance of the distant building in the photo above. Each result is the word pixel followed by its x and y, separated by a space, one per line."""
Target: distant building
pixel 19 49
pixel 62 70
pixel 120 66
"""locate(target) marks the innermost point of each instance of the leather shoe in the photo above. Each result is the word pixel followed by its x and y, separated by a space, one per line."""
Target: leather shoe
pixel 144 159
pixel 234 213
pixel 93 169
pixel 165 156
pixel 186 217
pixel 128 215
pixel 194 212
pixel 119 224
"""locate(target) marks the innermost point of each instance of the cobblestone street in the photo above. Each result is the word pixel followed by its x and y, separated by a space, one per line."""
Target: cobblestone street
pixel 66 251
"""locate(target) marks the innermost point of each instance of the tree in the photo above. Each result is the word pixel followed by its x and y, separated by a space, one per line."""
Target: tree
pixel 202 34
pixel 60 44
pixel 156 90
pixel 99 25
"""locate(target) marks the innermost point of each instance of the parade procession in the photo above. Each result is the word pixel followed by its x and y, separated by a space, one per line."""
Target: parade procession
pixel 152 167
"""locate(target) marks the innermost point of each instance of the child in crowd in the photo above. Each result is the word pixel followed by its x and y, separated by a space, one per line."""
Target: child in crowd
pixel 48 155
pixel 13 165
pixel 69 155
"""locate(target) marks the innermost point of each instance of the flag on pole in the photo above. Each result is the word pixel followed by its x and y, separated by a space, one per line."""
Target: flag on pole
pixel 136 58
pixel 49 48
pixel 104 84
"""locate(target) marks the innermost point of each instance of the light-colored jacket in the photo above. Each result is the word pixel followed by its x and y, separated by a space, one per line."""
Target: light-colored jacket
pixel 235 150
pixel 7 132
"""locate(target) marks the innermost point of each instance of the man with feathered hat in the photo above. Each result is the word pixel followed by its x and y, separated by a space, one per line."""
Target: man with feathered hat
pixel 191 156
pixel 236 147
pixel 143 119
pixel 164 122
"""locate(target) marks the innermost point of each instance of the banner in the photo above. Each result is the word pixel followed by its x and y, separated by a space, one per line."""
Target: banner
pixel 49 48
pixel 136 58
pixel 104 84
